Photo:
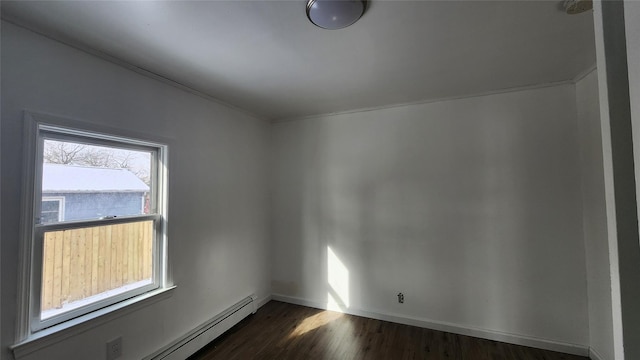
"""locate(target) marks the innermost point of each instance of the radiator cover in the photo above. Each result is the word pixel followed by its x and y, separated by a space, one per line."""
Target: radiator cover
pixel 199 337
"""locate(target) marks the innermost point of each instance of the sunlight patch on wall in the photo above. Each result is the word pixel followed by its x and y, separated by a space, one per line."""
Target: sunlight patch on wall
pixel 338 279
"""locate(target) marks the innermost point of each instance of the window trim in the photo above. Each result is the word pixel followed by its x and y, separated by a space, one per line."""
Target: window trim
pixel 29 285
pixel 60 200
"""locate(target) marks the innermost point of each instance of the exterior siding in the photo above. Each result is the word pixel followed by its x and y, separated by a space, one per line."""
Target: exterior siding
pixel 81 206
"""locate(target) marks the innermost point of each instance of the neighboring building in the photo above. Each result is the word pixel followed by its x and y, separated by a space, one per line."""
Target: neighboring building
pixel 72 192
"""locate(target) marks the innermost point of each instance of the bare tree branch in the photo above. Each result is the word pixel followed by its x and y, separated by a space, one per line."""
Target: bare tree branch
pixel 61 152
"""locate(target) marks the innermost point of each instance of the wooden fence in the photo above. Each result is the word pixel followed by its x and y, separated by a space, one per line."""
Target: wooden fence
pixel 83 262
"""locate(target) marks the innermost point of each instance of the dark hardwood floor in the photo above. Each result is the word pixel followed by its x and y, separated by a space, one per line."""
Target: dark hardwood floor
pixel 285 331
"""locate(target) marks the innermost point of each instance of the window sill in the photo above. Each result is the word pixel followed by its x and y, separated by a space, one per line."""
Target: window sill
pixel 60 332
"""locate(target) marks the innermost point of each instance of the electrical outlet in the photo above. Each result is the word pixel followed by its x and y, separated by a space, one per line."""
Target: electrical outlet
pixel 114 349
pixel 401 298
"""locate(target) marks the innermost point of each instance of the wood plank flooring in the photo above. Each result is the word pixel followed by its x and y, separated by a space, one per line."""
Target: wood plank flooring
pixel 284 331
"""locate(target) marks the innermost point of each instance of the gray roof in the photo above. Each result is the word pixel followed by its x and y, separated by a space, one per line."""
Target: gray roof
pixel 71 178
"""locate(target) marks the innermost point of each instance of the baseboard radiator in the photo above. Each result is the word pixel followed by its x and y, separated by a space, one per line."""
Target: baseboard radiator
pixel 199 337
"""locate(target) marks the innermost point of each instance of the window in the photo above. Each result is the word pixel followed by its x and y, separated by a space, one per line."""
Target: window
pixel 96 222
pixel 52 209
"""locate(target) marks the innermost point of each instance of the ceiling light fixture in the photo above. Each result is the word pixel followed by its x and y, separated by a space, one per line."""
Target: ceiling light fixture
pixel 335 14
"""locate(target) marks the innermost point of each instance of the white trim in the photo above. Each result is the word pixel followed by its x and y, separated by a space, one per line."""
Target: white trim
pixel 165 80
pixel 208 331
pixel 263 301
pixel 94 298
pixel 60 200
pixel 124 64
pixel 29 324
pixel 585 73
pixel 78 224
pixel 429 101
pixel 71 328
pixel 607 161
pixel 594 355
pixel 23 316
pixel 573 81
pixel 40 323
pixel 517 339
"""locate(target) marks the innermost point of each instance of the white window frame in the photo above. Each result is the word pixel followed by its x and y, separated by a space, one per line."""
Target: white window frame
pixel 60 200
pixel 38 126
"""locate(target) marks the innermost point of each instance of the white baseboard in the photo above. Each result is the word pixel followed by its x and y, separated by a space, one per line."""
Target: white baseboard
pixel 567 348
pixel 202 335
pixel 594 354
pixel 261 302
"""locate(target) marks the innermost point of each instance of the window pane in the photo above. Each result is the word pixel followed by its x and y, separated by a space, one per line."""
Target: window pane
pixel 50 205
pixel 86 265
pixel 95 181
pixel 50 211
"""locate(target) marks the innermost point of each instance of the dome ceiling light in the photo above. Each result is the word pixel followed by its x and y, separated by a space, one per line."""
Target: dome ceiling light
pixel 335 14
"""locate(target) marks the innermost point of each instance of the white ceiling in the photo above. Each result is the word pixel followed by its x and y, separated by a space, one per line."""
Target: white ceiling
pixel 267 58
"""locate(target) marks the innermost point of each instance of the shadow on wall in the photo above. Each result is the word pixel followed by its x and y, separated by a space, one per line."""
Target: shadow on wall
pixel 471 208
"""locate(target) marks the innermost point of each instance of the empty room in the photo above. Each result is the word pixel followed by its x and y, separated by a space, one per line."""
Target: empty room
pixel 319 179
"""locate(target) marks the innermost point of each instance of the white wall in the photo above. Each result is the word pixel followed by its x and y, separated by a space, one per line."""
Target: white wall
pixel 632 22
pixel 617 69
pixel 471 208
pixel 595 218
pixel 632 25
pixel 218 224
pixel 605 128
